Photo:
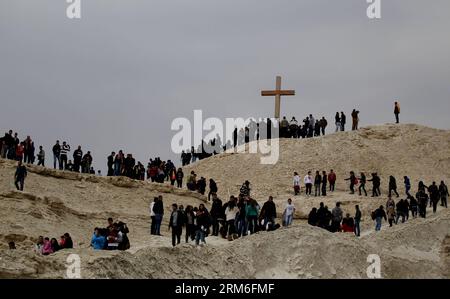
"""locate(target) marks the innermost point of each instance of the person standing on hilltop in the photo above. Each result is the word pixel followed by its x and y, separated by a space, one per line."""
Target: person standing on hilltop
pixel 308 180
pixel 41 156
pixel 397 112
pixel 65 149
pixel 332 180
pixel 355 120
pixel 443 192
pixel 110 164
pixel 343 121
pixel 77 157
pixel 296 182
pixel 323 124
pixel 20 175
pixel 337 121
pixel 317 183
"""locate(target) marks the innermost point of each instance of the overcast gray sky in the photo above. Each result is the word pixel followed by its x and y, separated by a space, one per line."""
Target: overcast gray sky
pixel 116 78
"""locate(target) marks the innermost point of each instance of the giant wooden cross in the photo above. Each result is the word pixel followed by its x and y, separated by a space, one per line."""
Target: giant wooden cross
pixel 277 93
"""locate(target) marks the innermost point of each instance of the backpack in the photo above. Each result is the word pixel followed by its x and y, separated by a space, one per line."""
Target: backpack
pixel 373 215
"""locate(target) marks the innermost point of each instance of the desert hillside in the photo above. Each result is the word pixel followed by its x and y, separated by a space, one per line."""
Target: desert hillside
pixel 56 202
pixel 419 152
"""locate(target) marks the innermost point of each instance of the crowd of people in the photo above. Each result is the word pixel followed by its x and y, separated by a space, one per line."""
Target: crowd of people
pixel 46 246
pixel 113 237
pixel 393 211
pixel 239 216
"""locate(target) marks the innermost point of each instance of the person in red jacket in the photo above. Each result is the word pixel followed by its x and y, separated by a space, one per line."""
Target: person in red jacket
pixel 332 180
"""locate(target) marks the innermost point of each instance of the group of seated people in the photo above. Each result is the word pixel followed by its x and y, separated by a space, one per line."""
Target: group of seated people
pixel 113 237
pixel 46 246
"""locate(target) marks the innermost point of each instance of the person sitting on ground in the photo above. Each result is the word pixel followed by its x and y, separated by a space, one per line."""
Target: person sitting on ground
pixel 47 248
pixel 114 238
pixel 54 244
pixel 98 242
pixel 39 245
pixel 312 217
pixel 348 224
pixel 67 241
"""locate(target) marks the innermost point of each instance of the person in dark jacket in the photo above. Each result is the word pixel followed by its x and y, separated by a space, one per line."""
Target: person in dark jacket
pixel 422 200
pixel 434 195
pixel 379 214
pixel 20 175
pixel 397 112
pixel 358 215
pixel 317 182
pixel 77 157
pixel 443 193
pixel 362 184
pixel 393 186
pixel 201 185
pixel 376 182
pixel 413 206
pixel 269 211
pixel 407 183
pixel 312 217
pixel 176 223
pixel 201 224
pixel 216 214
pixel 324 183
pixel 343 121
pixel 110 164
pixel 179 177
pixel 212 188
pixel 353 181
pixel 158 209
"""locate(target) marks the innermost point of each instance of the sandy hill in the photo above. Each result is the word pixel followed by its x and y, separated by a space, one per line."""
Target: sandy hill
pixel 419 152
pixel 56 202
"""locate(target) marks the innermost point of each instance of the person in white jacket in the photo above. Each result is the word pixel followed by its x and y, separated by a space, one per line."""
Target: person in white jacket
pixel 296 182
pixel 308 183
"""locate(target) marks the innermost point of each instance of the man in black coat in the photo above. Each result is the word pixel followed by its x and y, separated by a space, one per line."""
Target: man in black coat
pixel 111 164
